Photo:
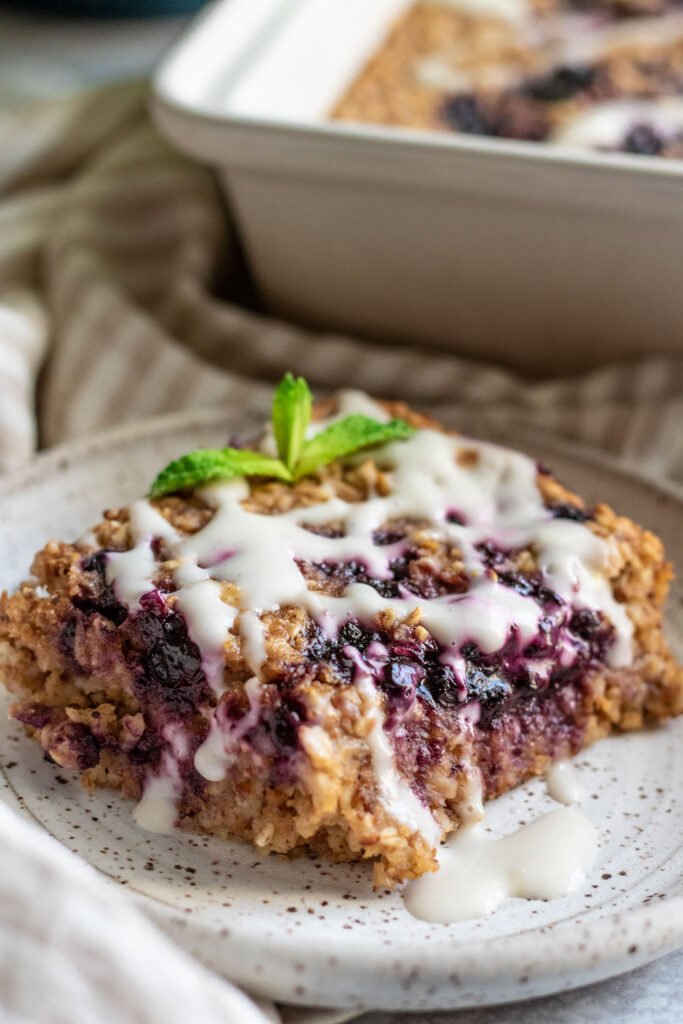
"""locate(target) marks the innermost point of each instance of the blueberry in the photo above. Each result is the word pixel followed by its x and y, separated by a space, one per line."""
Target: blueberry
pixel 400 567
pixel 569 511
pixel 95 563
pixel 100 597
pixel 522 585
pixel 385 537
pixel 489 689
pixel 356 572
pixel 543 644
pixel 529 586
pixel 171 658
pixel 644 140
pixel 399 680
pixel 353 635
pixel 283 724
pixel 585 623
pixel 471 651
pixel 594 630
pixel 170 670
pixel 490 553
pixel 561 84
pixel 465 115
pixel 440 687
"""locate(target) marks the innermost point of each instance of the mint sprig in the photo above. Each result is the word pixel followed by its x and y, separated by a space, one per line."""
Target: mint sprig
pixel 291 416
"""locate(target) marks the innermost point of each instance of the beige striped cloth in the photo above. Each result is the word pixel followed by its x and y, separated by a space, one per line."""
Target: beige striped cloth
pixel 119 276
pixel 120 288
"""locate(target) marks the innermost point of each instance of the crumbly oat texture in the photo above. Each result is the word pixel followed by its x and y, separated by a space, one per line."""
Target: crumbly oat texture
pixel 601 74
pixel 342 740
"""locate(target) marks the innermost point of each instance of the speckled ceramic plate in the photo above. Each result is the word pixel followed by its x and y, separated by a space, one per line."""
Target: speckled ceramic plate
pixel 306 931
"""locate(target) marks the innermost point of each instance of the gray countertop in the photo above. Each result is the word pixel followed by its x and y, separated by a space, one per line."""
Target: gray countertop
pixel 650 995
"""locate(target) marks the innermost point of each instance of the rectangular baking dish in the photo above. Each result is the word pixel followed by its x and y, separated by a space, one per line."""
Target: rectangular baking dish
pixel 546 260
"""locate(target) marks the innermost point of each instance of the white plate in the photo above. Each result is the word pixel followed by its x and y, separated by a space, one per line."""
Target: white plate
pixel 309 932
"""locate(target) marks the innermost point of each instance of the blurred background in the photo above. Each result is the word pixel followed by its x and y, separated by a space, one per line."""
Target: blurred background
pixel 48 47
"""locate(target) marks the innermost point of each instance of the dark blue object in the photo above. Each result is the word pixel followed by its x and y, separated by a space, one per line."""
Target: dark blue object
pixel 112 8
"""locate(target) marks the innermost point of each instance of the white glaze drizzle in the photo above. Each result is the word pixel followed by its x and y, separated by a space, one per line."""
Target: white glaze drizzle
pixel 215 755
pixel 507 10
pixel 253 640
pixel 546 859
pixel 131 572
pixel 585 40
pixel 497 494
pixel 208 620
pixel 396 795
pixel 562 783
pixel 156 810
pixel 471 807
pixel 87 541
pixel 444 73
pixel 604 125
pixel 351 402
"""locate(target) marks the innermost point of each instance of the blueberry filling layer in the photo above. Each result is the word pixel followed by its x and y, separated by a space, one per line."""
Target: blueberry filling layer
pixel 568 645
pixel 409 575
pixel 167 663
pixel 170 684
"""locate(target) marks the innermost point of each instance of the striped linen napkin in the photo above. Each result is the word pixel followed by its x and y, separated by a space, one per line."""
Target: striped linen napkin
pixel 120 281
pixel 112 250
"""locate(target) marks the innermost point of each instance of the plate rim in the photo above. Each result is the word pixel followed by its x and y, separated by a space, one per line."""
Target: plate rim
pixel 634 937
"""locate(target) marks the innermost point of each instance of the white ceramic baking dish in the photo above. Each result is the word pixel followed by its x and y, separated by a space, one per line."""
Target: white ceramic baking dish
pixel 544 259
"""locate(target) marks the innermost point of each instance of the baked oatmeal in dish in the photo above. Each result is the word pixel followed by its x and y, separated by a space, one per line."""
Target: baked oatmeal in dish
pixel 597 74
pixel 325 642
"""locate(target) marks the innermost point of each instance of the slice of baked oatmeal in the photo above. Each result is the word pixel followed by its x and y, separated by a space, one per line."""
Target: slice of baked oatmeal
pixel 332 663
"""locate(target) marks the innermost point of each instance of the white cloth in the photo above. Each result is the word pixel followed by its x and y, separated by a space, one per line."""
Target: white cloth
pixel 73 950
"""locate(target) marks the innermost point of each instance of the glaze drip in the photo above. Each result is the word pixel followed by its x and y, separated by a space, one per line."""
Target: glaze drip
pixel 546 859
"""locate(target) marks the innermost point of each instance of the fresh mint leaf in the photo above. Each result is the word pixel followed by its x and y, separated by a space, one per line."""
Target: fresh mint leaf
pixel 345 437
pixel 298 457
pixel 210 464
pixel 291 416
